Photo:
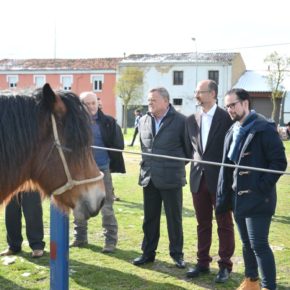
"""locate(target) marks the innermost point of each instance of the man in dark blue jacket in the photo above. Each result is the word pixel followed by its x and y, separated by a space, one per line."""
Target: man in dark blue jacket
pixel 252 141
pixel 162 131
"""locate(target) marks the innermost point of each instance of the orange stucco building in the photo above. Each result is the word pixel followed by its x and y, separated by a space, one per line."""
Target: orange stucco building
pixel 78 75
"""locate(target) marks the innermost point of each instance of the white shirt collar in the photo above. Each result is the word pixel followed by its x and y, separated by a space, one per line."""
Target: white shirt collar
pixel 211 111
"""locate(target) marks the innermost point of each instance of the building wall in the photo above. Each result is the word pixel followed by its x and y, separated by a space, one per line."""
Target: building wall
pixel 239 68
pixel 162 75
pixel 81 82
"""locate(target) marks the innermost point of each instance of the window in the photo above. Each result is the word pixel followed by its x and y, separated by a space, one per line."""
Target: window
pixel 97 82
pixel 12 81
pixel 177 102
pixel 39 81
pixel 66 82
pixel 213 75
pixel 178 77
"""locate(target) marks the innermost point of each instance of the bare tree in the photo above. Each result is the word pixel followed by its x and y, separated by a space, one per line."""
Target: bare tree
pixel 277 65
pixel 129 89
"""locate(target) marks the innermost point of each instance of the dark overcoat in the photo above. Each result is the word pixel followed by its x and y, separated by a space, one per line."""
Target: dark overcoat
pixel 170 140
pixel 248 192
pixel 221 122
pixel 113 138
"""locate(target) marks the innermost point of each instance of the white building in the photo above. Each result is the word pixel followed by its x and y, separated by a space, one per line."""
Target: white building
pixel 180 72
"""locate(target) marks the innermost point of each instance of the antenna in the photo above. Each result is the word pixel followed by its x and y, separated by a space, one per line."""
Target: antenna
pixel 54 50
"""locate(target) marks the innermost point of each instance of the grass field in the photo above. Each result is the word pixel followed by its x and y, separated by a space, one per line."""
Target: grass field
pixel 91 269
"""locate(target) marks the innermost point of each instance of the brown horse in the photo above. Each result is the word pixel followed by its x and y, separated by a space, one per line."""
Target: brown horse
pixel 45 145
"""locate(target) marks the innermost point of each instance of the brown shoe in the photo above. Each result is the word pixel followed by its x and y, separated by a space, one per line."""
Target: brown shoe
pixel 8 252
pixel 250 284
pixel 37 253
pixel 110 248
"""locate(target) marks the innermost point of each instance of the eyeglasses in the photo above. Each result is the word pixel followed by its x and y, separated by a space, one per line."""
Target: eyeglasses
pixel 201 92
pixel 232 105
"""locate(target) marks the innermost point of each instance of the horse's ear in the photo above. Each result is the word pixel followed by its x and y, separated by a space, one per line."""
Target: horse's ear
pixel 53 101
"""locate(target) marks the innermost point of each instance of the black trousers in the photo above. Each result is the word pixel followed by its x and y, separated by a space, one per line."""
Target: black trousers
pixel 30 204
pixel 134 136
pixel 172 200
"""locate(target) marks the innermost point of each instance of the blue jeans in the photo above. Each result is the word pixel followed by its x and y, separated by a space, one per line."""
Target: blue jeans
pixel 254 232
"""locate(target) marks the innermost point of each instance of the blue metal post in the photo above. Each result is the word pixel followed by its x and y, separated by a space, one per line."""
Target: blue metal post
pixel 59 250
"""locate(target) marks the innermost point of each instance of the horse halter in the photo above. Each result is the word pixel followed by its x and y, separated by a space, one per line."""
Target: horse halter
pixel 70 182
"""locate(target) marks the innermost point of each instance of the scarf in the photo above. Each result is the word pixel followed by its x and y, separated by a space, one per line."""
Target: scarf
pixel 239 135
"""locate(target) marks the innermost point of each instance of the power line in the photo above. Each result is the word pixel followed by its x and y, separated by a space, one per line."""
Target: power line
pixel 249 47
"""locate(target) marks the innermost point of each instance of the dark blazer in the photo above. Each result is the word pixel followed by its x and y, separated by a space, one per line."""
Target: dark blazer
pixel 214 148
pixel 170 140
pixel 252 193
pixel 113 138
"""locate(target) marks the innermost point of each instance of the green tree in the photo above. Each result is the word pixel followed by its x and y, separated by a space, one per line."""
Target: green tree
pixel 129 88
pixel 278 65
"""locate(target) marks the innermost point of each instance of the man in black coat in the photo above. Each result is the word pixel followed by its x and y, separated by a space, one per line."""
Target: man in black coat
pixel 30 205
pixel 106 133
pixel 206 131
pixel 253 141
pixel 162 132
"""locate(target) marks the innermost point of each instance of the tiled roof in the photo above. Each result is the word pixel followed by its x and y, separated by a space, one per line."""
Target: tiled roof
pixel 181 57
pixel 60 64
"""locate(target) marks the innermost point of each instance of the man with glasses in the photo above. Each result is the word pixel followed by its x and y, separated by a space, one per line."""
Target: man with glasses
pixel 252 141
pixel 206 131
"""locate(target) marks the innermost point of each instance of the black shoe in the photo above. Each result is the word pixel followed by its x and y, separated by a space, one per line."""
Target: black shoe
pixel 143 260
pixel 196 271
pixel 179 262
pixel 222 276
pixel 78 244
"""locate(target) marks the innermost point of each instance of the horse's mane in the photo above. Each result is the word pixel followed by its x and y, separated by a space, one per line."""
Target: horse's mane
pixel 18 130
pixel 21 119
pixel 76 123
pixel 77 129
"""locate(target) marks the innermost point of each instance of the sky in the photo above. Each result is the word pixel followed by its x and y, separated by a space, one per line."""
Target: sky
pixel 112 28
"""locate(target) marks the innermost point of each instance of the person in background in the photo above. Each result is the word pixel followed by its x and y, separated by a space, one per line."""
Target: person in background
pixel 162 132
pixel 252 141
pixel 206 131
pixel 138 115
pixel 288 130
pixel 106 133
pixel 100 103
pixel 30 204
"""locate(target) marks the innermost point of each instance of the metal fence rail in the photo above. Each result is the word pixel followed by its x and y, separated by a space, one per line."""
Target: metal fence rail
pixel 193 160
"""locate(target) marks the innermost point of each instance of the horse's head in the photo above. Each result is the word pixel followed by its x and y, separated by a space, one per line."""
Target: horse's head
pixel 64 165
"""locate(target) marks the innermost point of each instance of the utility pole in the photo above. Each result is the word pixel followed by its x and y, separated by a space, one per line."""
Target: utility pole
pixel 196 61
